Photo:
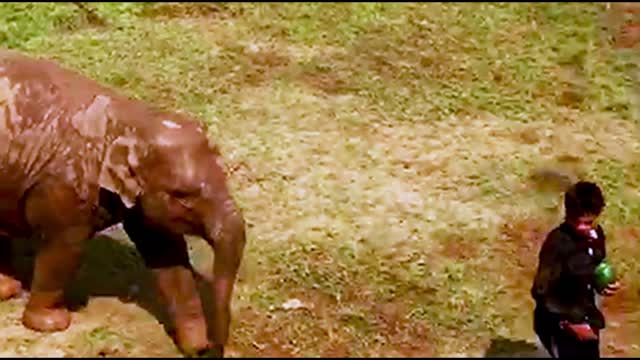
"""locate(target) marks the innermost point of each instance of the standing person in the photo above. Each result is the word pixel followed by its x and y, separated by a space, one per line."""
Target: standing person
pixel 566 318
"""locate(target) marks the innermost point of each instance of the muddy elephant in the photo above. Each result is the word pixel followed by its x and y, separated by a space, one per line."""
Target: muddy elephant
pixel 77 157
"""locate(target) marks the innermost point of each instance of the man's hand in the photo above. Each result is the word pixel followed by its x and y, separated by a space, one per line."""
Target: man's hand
pixel 583 331
pixel 611 289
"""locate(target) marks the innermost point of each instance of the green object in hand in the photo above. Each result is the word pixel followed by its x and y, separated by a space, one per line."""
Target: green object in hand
pixel 604 275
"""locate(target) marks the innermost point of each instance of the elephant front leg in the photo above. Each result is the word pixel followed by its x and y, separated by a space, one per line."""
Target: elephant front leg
pixel 167 256
pixel 177 286
pixel 9 285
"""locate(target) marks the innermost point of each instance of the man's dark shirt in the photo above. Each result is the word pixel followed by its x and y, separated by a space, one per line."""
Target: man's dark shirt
pixel 563 286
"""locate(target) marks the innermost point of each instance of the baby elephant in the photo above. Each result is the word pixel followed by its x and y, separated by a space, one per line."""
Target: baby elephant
pixel 75 158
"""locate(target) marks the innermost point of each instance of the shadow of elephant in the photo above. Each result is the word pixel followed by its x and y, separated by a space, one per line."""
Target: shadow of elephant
pixel 507 348
pixel 112 267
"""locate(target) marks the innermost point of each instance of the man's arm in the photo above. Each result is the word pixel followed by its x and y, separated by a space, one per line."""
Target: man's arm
pixel 611 289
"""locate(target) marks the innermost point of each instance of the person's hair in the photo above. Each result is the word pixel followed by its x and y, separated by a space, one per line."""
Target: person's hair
pixel 583 198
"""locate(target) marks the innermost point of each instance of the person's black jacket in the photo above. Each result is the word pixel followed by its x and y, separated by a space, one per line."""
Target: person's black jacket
pixel 563 288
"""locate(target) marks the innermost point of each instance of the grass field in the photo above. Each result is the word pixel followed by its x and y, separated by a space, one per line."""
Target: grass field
pixel 387 157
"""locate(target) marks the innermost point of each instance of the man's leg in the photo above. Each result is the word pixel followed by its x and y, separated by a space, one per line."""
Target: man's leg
pixel 569 347
pixel 545 339
pixel 542 325
pixel 591 349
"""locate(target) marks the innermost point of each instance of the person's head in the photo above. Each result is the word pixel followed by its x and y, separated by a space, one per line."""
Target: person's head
pixel 583 203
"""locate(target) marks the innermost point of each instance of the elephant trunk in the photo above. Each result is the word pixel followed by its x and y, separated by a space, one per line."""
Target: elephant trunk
pixel 227 236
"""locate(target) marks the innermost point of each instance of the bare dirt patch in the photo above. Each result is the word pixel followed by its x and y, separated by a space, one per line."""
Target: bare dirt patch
pixel 264 65
pixel 90 15
pixel 104 328
pixel 409 339
pixel 620 337
pixel 520 243
pixel 264 340
pixel 515 254
pixel 251 64
pixel 623 318
pixel 459 248
pixel 330 83
pixel 172 10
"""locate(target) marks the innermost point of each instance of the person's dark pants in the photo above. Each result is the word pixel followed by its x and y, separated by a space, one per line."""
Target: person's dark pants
pixel 561 343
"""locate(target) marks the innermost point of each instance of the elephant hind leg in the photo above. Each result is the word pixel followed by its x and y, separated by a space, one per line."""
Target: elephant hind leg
pixel 63 223
pixel 9 285
pixel 167 256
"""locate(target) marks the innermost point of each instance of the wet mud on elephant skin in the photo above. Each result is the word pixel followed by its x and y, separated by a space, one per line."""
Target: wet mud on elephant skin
pixel 111 267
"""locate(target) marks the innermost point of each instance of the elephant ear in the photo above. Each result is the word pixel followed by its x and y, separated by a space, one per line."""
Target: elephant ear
pixel 118 169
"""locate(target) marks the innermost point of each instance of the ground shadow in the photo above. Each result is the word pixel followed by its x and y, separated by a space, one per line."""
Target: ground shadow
pixel 110 267
pixel 506 348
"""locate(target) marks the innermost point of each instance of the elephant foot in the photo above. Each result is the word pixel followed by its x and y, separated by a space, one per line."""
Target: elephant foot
pixel 9 287
pixel 191 337
pixel 46 320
